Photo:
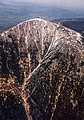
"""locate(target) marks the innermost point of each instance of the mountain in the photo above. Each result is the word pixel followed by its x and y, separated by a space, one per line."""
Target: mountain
pixel 41 72
pixel 12 13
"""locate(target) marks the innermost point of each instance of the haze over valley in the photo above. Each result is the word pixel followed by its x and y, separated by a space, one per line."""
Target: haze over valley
pixel 12 13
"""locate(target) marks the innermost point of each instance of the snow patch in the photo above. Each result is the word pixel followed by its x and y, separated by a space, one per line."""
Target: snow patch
pixel 2 34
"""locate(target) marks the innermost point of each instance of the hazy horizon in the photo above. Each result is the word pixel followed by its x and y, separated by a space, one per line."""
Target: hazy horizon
pixel 14 12
pixel 75 4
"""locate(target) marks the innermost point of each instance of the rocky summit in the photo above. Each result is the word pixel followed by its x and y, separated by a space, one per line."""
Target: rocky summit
pixel 41 72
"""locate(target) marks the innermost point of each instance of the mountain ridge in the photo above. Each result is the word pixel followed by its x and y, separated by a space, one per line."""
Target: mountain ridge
pixel 42 69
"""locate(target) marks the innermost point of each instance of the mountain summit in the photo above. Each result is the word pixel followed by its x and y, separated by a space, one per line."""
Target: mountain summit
pixel 41 72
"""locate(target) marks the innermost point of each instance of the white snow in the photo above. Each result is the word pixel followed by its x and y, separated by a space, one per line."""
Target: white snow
pixel 26 40
pixel 2 34
pixel 60 36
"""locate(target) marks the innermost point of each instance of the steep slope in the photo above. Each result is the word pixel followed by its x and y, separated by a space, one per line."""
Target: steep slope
pixel 42 69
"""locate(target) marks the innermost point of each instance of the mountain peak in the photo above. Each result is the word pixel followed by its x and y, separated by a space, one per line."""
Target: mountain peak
pixel 41 68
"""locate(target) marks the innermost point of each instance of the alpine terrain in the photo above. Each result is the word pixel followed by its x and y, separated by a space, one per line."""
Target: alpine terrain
pixel 41 72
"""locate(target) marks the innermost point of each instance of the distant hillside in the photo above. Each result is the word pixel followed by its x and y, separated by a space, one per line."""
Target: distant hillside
pixel 74 24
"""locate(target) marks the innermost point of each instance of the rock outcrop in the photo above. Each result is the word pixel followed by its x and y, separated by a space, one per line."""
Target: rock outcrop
pixel 41 72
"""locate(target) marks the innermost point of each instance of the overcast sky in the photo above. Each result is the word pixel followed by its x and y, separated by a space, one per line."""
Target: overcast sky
pixel 64 3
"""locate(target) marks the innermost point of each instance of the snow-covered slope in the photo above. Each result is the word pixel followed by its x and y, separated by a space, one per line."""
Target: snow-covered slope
pixel 42 64
pixel 45 32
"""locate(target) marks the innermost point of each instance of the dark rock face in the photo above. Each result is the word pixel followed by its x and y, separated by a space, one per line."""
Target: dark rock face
pixel 41 72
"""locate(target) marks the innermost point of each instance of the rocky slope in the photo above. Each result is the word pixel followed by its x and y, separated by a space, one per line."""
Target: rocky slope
pixel 41 72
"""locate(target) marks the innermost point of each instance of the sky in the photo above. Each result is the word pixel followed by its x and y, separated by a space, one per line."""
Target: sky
pixel 62 3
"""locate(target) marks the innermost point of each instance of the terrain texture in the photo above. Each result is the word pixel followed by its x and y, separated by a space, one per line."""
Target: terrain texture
pixel 41 72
